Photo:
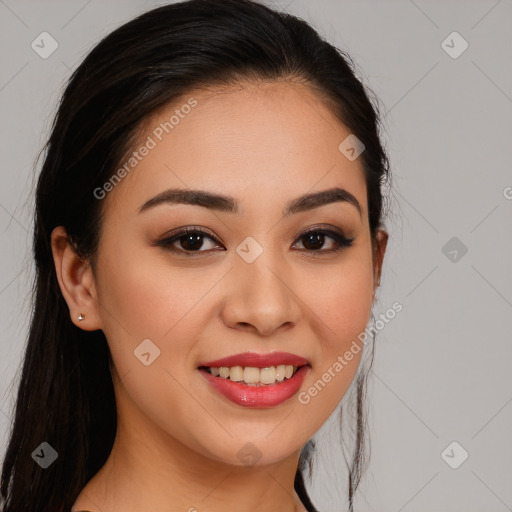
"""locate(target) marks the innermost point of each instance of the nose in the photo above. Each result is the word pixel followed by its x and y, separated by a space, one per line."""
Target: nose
pixel 261 299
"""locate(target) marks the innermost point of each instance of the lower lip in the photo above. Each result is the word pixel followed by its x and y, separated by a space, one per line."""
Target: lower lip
pixel 257 396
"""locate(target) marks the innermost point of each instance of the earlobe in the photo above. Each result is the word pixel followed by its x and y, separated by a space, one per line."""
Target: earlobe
pixel 76 282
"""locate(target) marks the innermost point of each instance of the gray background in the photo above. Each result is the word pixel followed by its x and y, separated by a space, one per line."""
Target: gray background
pixel 443 365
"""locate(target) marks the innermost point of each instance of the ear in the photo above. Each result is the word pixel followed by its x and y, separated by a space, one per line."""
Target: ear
pixel 378 257
pixel 76 281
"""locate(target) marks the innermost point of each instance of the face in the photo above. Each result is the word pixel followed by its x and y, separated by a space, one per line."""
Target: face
pixel 249 276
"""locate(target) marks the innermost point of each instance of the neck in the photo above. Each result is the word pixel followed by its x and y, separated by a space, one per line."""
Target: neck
pixel 148 469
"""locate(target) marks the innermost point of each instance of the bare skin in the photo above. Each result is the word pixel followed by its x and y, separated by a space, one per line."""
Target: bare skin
pixel 177 440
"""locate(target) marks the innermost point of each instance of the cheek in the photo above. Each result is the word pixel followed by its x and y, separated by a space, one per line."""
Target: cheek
pixel 143 298
pixel 342 303
pixel 343 306
pixel 342 299
pixel 147 298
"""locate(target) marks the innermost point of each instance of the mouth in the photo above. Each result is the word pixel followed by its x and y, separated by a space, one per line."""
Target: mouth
pixel 254 387
pixel 253 376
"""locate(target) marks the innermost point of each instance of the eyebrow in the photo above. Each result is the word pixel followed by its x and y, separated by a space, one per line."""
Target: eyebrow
pixel 228 204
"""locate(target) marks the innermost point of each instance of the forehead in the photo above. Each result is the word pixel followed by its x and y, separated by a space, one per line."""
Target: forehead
pixel 256 141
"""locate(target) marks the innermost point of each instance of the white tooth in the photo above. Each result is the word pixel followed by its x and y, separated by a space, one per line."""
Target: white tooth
pixel 251 375
pixel 224 372
pixel 281 372
pixel 236 373
pixel 268 375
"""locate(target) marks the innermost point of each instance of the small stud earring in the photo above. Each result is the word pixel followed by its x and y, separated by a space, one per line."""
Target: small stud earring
pixel 81 317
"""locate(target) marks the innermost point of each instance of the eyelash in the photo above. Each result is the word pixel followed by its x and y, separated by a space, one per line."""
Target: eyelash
pixel 341 241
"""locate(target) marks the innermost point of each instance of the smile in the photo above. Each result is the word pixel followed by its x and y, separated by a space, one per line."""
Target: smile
pixel 267 387
pixel 254 376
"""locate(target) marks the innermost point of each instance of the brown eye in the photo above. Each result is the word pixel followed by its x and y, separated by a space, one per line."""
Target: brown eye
pixel 187 241
pixel 315 239
pixel 191 240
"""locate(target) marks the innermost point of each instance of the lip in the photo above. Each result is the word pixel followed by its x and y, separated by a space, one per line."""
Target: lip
pixel 256 360
pixel 257 396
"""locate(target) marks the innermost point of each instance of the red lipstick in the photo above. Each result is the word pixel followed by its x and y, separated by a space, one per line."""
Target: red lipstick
pixel 263 396
pixel 258 360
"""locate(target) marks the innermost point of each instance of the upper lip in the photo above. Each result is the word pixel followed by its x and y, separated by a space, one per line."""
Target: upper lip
pixel 256 360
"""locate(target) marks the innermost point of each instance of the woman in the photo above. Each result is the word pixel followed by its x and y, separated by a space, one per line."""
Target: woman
pixel 208 243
